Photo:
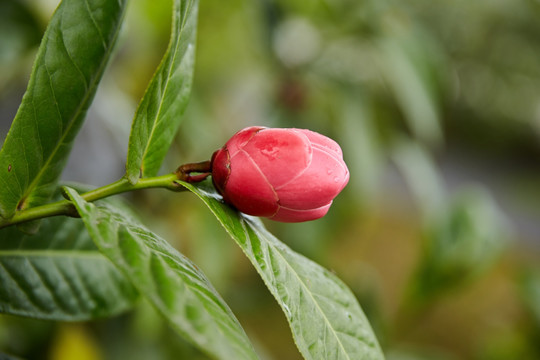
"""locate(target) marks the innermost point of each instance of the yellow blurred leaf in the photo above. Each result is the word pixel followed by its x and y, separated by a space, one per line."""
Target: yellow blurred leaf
pixel 74 342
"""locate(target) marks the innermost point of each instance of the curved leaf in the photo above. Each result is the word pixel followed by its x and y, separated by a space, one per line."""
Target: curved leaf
pixel 160 111
pixel 325 317
pixel 170 281
pixel 59 274
pixel 71 59
pixel 410 88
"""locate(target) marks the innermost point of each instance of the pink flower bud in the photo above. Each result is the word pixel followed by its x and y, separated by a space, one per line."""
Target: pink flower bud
pixel 288 175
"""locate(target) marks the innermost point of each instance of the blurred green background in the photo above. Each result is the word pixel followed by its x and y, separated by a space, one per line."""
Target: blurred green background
pixel 437 108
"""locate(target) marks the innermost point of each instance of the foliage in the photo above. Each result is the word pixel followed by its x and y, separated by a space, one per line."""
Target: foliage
pixel 72 57
pixel 423 100
pixel 59 274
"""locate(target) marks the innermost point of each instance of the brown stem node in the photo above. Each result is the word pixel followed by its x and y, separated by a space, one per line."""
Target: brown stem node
pixel 194 172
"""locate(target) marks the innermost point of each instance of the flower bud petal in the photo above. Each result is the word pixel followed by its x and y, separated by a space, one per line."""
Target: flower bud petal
pixel 318 140
pixel 221 169
pixel 290 215
pixel 248 189
pixel 321 182
pixel 241 138
pixel 288 175
pixel 280 154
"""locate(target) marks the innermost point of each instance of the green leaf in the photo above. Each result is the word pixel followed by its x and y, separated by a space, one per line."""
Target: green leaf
pixel 412 92
pixel 325 317
pixel 170 281
pixel 71 59
pixel 160 111
pixel 59 274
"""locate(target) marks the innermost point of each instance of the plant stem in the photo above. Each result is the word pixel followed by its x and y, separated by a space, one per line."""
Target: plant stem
pixel 203 170
pixel 64 207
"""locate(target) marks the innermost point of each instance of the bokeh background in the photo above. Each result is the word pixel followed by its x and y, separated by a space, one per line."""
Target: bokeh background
pixel 437 108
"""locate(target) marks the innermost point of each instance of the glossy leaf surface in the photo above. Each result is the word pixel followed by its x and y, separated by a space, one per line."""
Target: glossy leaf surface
pixel 59 274
pixel 325 317
pixel 160 111
pixel 170 281
pixel 71 59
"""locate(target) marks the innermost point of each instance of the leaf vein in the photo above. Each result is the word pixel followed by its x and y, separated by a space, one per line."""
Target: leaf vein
pixel 155 120
pixel 74 292
pixel 305 287
pixel 51 253
pixel 73 118
pixel 58 300
pixel 10 276
pixel 70 57
pixel 91 15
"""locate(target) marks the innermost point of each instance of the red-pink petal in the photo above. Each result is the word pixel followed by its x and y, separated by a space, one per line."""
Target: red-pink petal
pixel 322 141
pixel 281 154
pixel 240 139
pixel 291 215
pixel 220 169
pixel 320 183
pixel 248 189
